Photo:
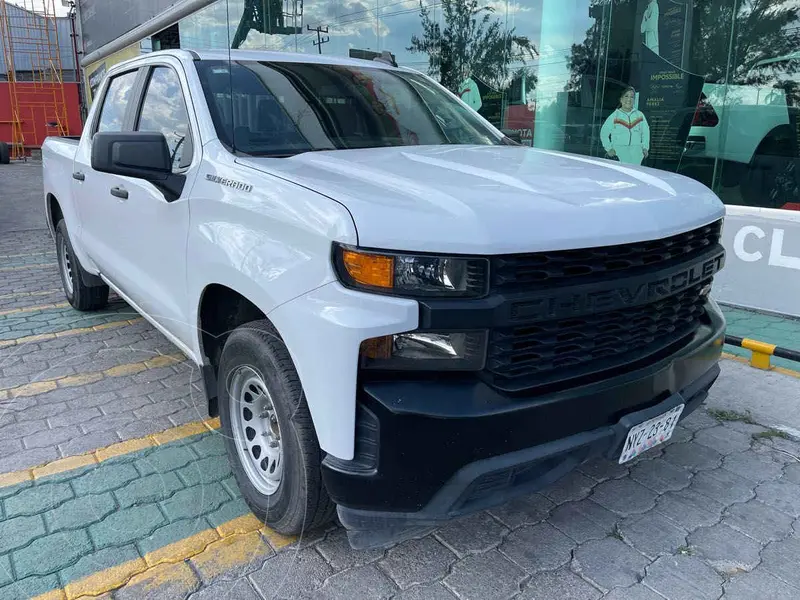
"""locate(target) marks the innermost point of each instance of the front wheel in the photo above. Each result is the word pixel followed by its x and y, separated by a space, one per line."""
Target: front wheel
pixel 269 435
pixel 80 296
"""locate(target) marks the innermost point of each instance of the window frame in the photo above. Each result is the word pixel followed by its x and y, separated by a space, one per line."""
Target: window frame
pixel 104 96
pixel 146 74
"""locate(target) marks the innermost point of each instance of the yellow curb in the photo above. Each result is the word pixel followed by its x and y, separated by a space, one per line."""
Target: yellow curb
pixel 24 309
pixel 31 389
pixel 163 361
pixel 3 257
pixel 9 479
pixel 101 454
pixel 277 540
pixel 26 267
pixel 180 432
pixel 65 464
pixel 40 337
pixel 130 369
pixel 80 379
pixel 54 595
pixel 39 387
pixel 230 552
pixel 243 524
pixel 163 574
pixel 209 553
pixel 190 546
pixel 745 361
pixel 29 294
pixel 104 581
pixel 122 448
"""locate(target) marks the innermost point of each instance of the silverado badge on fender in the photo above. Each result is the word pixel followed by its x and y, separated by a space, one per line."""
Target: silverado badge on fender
pixel 237 185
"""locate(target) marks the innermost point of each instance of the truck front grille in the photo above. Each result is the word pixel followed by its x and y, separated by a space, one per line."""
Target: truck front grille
pixel 518 272
pixel 574 347
pixel 544 350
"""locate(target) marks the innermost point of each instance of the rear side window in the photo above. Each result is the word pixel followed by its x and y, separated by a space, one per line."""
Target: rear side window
pixel 164 111
pixel 112 113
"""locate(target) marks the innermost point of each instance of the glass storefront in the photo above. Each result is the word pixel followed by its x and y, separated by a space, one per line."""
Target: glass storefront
pixel 706 88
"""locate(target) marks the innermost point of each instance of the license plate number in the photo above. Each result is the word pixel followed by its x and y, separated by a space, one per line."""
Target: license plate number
pixel 651 433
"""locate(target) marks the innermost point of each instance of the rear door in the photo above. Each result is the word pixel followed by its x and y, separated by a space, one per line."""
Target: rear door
pixel 91 188
pixel 148 231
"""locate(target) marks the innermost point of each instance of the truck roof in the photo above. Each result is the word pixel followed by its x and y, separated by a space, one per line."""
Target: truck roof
pixel 264 55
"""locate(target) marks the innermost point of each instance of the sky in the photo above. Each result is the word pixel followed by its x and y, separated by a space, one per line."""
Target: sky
pixel 38 5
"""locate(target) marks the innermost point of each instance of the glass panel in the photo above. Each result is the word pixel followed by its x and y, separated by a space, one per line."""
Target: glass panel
pixel 752 124
pixel 281 108
pixel 112 113
pixel 164 111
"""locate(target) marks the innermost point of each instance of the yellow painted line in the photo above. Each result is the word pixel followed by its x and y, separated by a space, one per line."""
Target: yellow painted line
pixel 101 454
pixel 46 385
pixel 24 309
pixel 46 253
pixel 744 360
pixel 29 294
pixel 41 337
pixel 211 552
pixel 27 267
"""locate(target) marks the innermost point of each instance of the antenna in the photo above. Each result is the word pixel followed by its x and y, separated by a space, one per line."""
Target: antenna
pixel 320 40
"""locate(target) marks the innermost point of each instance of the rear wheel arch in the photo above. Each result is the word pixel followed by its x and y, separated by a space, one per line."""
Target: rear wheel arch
pixel 54 212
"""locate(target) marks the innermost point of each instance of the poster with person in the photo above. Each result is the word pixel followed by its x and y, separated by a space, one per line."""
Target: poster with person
pixel 625 134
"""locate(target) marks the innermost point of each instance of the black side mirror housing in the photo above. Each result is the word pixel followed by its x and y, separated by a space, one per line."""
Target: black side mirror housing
pixel 140 154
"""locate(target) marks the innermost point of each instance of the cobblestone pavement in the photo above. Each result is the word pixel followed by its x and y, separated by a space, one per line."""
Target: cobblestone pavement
pixel 114 484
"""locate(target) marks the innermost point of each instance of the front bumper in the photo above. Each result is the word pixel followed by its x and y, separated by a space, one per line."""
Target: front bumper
pixel 427 451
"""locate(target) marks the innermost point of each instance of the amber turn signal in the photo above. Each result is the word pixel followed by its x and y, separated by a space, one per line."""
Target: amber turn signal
pixel 369 269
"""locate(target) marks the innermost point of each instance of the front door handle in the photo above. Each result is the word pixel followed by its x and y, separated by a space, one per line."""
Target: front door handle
pixel 119 192
pixel 78 175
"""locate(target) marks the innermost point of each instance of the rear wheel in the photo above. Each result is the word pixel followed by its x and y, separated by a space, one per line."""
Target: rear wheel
pixel 269 435
pixel 80 296
pixel 5 154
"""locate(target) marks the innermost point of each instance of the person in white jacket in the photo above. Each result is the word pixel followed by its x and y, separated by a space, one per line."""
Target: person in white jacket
pixel 625 133
pixel 649 26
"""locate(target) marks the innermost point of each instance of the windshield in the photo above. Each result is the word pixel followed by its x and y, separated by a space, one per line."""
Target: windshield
pixel 282 108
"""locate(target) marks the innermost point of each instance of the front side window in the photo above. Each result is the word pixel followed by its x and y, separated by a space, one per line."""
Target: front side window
pixel 112 113
pixel 164 111
pixel 282 108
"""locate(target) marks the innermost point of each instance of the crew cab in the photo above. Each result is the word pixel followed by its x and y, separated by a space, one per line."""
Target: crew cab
pixel 400 314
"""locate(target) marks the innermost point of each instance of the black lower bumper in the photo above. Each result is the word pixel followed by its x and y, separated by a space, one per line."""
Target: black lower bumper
pixel 431 450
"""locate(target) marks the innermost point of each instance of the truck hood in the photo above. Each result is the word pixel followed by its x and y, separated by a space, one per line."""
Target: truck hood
pixel 496 199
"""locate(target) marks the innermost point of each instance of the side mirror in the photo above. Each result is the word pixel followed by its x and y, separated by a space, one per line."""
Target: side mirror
pixel 140 154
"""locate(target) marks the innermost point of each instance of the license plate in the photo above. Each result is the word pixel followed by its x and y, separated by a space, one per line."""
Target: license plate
pixel 651 433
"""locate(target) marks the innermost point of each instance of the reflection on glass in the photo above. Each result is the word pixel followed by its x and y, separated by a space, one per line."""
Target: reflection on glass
pixel 716 79
pixel 281 108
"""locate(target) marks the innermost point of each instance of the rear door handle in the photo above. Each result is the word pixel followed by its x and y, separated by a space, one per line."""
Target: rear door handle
pixel 119 192
pixel 78 175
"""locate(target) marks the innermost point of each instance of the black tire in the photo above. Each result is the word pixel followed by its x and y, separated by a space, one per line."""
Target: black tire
pixel 80 296
pixel 5 154
pixel 300 502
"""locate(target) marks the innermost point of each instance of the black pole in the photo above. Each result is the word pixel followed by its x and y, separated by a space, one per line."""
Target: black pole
pixel 320 40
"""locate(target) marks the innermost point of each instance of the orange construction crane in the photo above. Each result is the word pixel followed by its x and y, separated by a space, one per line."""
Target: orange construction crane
pixel 32 57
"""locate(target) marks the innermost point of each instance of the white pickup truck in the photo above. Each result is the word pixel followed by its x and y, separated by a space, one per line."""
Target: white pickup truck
pixel 399 313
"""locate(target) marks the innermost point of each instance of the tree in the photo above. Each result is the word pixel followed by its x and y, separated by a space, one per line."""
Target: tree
pixel 472 43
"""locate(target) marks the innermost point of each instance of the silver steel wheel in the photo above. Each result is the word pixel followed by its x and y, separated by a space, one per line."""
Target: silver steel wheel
pixel 65 262
pixel 256 431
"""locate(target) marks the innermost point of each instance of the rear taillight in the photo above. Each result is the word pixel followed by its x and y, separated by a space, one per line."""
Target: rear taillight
pixel 704 114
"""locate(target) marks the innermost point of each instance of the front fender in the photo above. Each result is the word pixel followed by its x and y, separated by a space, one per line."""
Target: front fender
pixel 323 331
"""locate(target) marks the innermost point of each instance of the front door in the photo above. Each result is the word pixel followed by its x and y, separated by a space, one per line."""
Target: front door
pixel 149 229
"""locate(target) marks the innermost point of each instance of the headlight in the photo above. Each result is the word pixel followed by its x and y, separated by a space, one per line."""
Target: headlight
pixel 411 275
pixel 426 350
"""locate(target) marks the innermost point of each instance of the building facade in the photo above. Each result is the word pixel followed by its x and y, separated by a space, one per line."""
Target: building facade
pixel 706 88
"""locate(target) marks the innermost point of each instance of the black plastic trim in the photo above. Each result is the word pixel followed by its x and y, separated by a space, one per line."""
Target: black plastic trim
pixel 430 429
